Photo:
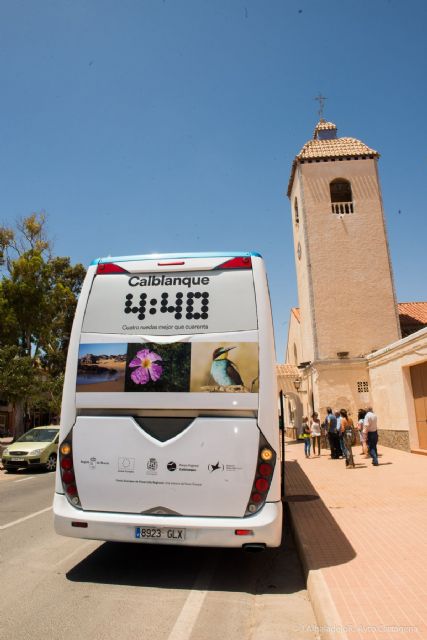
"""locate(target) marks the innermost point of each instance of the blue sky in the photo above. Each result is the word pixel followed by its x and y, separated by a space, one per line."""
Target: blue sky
pixel 103 349
pixel 169 125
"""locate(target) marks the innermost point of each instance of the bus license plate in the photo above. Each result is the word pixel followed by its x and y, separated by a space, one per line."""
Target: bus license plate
pixel 159 534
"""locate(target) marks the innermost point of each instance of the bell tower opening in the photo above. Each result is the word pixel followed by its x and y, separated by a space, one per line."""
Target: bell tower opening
pixel 341 196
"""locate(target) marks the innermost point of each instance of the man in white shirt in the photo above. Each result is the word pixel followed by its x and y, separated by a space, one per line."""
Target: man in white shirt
pixel 370 429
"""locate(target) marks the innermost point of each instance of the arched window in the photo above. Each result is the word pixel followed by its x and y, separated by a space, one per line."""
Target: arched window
pixel 341 196
pixel 296 213
pixel 295 354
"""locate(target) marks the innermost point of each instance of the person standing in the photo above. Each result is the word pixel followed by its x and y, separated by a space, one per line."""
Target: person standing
pixel 371 431
pixel 331 430
pixel 341 453
pixel 304 423
pixel 347 431
pixel 307 437
pixel 362 436
pixel 315 432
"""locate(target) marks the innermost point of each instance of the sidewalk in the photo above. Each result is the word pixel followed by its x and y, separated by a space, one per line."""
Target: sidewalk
pixel 362 538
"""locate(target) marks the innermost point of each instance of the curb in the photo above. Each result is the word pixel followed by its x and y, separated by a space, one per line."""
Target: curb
pixel 326 614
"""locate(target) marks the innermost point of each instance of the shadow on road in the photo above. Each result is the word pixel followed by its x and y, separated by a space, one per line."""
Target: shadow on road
pixel 271 571
pixel 319 538
pixel 170 567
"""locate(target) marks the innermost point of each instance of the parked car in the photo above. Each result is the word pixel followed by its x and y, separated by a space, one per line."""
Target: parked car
pixel 36 448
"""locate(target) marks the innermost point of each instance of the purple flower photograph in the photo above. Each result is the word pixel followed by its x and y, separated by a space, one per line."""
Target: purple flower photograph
pixel 147 367
pixel 161 368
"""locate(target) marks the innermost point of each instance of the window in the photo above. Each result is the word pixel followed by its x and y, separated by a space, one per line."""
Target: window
pixel 172 303
pixel 296 211
pixel 362 386
pixel 341 196
pixel 295 354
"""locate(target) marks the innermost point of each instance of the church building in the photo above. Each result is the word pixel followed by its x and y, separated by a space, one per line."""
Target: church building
pixel 348 313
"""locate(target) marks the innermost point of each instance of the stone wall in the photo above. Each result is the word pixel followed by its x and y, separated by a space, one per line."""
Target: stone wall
pixel 394 439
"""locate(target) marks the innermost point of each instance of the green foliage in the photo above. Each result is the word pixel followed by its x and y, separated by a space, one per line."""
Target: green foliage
pixel 48 394
pixel 38 296
pixel 17 374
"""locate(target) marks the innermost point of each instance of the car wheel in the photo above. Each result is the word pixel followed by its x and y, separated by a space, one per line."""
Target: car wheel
pixel 11 469
pixel 51 462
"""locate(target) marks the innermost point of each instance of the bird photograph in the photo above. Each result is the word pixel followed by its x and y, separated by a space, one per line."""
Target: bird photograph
pixel 223 370
pixel 230 367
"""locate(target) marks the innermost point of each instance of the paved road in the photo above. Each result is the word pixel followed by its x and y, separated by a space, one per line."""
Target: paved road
pixel 55 587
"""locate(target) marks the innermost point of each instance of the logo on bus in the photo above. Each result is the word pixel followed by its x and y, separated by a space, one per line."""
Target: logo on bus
pixel 171 466
pixel 152 465
pixel 216 467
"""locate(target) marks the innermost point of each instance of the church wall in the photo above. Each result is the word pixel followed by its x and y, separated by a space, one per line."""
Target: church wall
pixel 392 395
pixel 306 352
pixel 335 385
pixel 294 338
pixel 347 257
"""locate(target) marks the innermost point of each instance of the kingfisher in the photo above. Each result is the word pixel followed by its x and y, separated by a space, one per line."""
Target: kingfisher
pixel 223 371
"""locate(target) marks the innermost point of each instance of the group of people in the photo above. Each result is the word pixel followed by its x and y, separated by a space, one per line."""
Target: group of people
pixel 339 429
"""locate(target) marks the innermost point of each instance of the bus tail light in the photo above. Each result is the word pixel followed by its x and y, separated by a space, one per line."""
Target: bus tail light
pixel 109 267
pixel 67 472
pixel 244 532
pixel 241 262
pixel 263 477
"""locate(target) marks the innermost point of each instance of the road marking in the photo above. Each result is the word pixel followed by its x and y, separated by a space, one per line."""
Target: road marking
pixel 186 620
pixel 32 515
pixel 25 479
pixel 80 549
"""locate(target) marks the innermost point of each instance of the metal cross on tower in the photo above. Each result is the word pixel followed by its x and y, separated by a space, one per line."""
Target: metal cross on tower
pixel 321 100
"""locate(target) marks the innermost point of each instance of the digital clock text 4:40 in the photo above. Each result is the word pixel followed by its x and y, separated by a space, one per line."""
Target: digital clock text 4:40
pixel 193 305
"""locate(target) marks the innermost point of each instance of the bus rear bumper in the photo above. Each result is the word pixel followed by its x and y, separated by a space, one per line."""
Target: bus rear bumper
pixel 265 527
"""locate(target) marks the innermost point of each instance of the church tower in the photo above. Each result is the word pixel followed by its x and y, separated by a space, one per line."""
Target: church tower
pixel 347 303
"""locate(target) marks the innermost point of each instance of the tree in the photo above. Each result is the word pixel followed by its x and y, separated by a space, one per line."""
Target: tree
pixel 17 381
pixel 38 295
pixel 30 235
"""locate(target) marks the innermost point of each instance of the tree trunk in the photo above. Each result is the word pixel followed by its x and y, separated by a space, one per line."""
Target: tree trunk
pixel 19 425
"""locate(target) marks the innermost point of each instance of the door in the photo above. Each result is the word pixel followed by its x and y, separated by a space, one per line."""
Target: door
pixel 419 388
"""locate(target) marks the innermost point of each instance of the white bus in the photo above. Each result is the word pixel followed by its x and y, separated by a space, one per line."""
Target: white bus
pixel 169 426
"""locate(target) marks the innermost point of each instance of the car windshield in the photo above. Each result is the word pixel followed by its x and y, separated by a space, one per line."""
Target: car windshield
pixel 38 435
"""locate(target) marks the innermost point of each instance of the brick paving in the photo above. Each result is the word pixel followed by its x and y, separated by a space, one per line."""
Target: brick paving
pixel 362 537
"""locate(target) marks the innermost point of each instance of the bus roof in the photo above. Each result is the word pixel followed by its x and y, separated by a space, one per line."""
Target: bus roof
pixel 174 256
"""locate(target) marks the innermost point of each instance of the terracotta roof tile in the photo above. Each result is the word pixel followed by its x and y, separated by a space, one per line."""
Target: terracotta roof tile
pixel 412 316
pixel 287 370
pixel 322 125
pixel 296 312
pixel 335 148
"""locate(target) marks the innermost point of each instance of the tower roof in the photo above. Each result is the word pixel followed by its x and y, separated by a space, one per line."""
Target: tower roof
pixel 325 146
pixel 322 125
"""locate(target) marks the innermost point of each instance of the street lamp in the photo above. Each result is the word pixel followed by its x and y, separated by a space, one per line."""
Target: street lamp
pixel 297 383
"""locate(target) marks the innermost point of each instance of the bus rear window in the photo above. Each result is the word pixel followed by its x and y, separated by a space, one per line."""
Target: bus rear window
pixel 188 302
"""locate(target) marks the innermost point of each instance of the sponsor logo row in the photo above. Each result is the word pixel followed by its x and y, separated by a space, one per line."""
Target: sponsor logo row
pixel 127 465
